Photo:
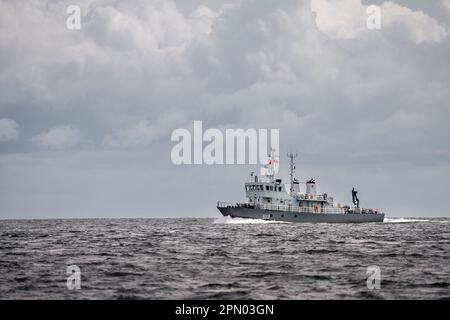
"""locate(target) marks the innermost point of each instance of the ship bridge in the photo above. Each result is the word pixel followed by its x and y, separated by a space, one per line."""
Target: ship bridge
pixel 267 192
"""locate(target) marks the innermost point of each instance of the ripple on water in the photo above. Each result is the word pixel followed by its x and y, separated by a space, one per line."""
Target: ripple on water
pixel 223 259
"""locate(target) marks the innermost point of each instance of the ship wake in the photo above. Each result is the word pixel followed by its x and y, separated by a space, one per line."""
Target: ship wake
pixel 230 220
pixel 403 220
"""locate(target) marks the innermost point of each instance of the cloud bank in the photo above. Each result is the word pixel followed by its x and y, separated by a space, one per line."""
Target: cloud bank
pixel 363 107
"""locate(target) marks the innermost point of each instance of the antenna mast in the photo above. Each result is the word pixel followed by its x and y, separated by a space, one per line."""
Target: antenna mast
pixel 291 157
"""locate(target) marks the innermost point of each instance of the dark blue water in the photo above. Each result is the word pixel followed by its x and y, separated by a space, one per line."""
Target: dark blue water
pixel 223 259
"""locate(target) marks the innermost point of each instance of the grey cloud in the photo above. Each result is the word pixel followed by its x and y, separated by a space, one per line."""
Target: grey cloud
pixel 138 70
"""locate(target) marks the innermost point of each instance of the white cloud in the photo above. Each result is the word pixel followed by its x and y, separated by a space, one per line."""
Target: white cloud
pixel 9 130
pixel 343 19
pixel 58 137
pixel 421 27
pixel 142 132
pixel 346 19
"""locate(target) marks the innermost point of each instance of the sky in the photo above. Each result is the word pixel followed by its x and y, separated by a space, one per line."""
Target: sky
pixel 86 115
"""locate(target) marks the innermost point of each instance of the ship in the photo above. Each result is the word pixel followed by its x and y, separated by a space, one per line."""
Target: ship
pixel 268 198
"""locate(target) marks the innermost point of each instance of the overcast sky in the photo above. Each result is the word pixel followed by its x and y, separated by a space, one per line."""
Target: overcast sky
pixel 86 115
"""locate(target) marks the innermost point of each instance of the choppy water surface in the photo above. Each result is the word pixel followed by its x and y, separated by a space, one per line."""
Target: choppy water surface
pixel 223 259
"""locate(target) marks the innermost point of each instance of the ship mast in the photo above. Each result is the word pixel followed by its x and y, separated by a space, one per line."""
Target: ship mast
pixel 269 169
pixel 270 165
pixel 291 157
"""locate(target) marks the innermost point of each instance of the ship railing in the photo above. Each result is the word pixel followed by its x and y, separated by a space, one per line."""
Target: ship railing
pixel 290 208
pixel 221 204
pixel 281 207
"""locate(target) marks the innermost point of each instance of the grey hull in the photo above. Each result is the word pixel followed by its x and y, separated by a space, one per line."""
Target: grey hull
pixel 300 217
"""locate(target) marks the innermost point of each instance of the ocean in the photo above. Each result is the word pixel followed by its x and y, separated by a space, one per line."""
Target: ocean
pixel 223 258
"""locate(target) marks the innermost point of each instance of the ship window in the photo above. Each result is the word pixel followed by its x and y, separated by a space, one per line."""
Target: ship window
pixel 279 188
pixel 261 188
pixel 282 215
pixel 296 216
pixel 271 188
pixel 267 188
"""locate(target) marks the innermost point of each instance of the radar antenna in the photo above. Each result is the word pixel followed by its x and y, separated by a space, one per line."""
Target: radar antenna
pixel 291 157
